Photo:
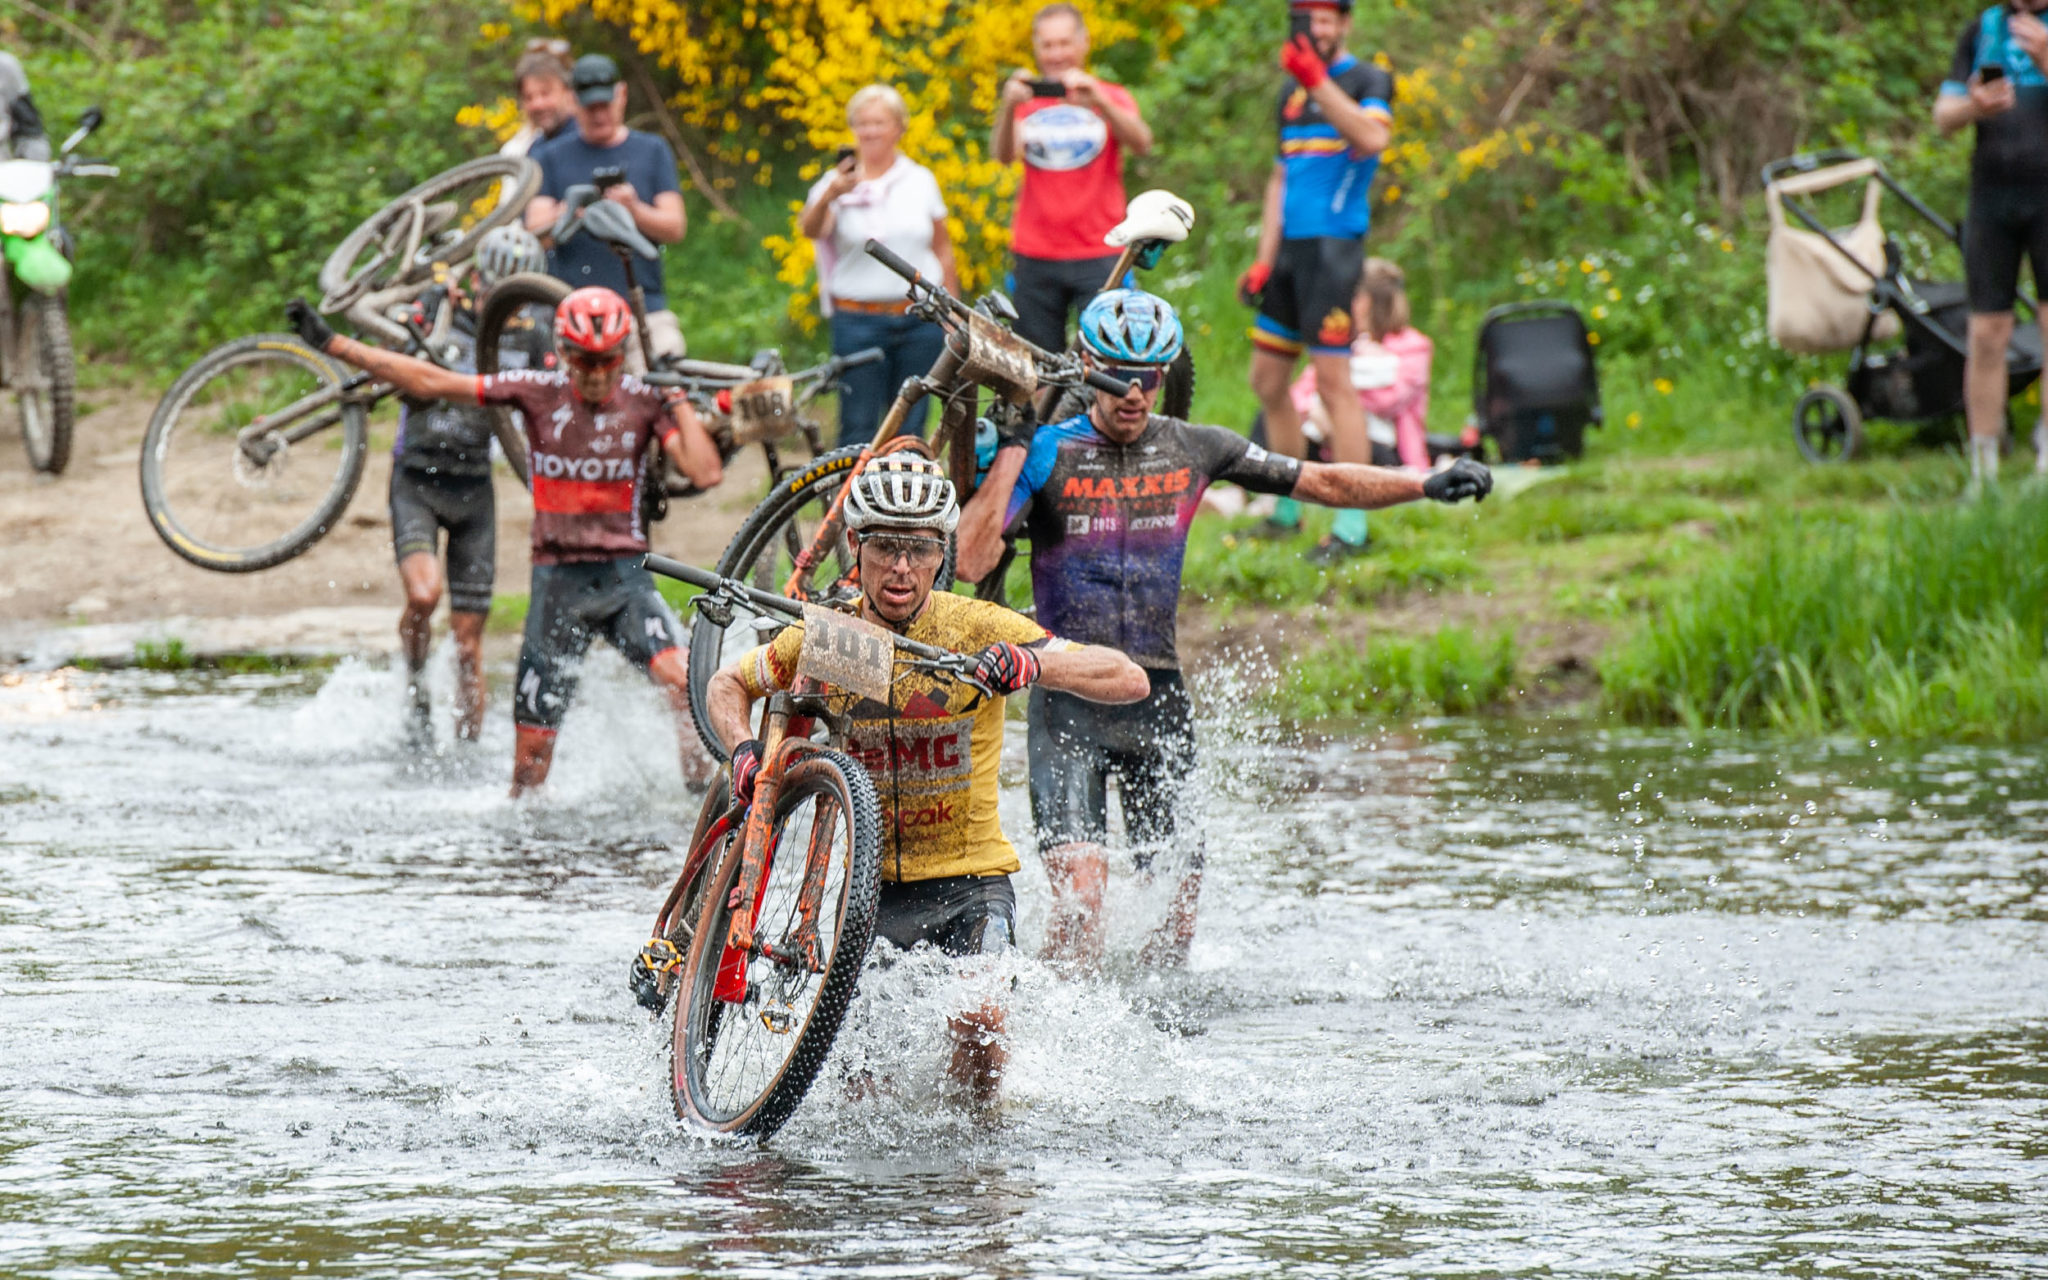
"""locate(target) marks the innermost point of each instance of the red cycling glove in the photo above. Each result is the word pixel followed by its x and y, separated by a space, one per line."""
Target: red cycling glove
pixel 1251 286
pixel 1300 60
pixel 746 767
pixel 1004 668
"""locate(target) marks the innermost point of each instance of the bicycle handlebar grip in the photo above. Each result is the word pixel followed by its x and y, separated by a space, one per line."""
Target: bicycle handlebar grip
pixel 888 257
pixel 676 569
pixel 1101 381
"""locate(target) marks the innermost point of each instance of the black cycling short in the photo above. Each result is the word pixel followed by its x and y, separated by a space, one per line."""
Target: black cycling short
pixel 1075 746
pixel 2004 225
pixel 1046 291
pixel 572 603
pixel 1308 297
pixel 424 503
pixel 960 915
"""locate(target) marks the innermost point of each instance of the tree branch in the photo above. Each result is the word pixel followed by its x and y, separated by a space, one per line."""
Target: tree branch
pixel 663 117
pixel 70 28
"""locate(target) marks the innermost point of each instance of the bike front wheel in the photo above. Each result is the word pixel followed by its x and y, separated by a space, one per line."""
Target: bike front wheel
pixel 752 1029
pixel 441 220
pixel 49 388
pixel 253 454
pixel 515 329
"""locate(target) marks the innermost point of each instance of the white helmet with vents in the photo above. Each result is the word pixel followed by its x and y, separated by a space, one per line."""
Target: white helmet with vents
pixel 902 490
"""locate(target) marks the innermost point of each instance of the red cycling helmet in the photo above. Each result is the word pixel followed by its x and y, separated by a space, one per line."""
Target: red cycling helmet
pixel 593 321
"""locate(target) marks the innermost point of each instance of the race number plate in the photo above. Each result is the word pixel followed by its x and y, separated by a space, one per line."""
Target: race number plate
pixel 763 410
pixel 999 360
pixel 847 652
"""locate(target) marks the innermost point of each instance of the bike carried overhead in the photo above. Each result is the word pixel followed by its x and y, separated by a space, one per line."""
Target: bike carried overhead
pixel 36 359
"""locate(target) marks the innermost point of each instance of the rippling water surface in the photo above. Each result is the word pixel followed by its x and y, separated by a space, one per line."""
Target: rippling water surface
pixel 1496 999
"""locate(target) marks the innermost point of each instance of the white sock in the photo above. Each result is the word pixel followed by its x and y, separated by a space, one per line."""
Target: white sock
pixel 1983 458
pixel 2041 448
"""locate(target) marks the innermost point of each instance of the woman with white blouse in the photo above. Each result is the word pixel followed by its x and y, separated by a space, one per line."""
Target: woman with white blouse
pixel 878 193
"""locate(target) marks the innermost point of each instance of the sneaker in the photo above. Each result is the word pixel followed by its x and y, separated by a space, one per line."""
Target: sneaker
pixel 1335 550
pixel 1271 530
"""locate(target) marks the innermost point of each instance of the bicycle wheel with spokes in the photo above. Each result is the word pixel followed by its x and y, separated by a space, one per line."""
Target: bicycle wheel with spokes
pixel 515 329
pixel 252 455
pixel 47 393
pixel 752 1029
pixel 440 220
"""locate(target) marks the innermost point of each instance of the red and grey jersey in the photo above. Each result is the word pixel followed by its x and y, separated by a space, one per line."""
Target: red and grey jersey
pixel 588 461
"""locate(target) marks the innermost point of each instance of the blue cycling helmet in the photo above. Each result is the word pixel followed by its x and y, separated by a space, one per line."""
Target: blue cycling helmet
pixel 1130 326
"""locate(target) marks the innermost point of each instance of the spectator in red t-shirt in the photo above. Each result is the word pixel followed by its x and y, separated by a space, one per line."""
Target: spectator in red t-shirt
pixel 1073 146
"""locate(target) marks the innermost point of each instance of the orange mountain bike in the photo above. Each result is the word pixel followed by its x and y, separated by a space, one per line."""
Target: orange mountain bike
pixel 763 935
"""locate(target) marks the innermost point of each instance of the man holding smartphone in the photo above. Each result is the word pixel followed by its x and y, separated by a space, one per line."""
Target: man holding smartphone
pixel 1999 83
pixel 1071 129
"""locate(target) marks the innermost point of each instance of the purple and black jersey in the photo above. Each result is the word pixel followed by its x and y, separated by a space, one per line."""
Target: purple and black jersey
pixel 1109 524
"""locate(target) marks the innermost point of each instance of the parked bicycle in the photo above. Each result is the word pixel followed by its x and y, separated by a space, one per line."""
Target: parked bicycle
pixel 36 359
pixel 761 938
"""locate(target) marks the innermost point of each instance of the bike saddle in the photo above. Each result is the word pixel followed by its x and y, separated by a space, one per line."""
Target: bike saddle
pixel 1153 215
pixel 612 224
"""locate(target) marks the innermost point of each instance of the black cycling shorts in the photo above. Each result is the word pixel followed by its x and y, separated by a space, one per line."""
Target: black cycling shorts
pixel 424 503
pixel 1075 746
pixel 2004 225
pixel 1047 291
pixel 1308 297
pixel 960 915
pixel 572 603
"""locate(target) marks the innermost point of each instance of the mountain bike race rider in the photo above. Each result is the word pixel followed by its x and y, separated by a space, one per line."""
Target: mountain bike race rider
pixel 441 479
pixel 1334 123
pixel 1108 496
pixel 21 125
pixel 1998 82
pixel 934 750
pixel 587 425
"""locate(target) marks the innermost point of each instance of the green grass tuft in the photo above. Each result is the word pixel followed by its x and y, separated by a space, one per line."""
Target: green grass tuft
pixel 1451 672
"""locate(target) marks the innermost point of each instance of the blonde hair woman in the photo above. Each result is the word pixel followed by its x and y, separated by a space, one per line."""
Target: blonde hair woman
pixel 878 193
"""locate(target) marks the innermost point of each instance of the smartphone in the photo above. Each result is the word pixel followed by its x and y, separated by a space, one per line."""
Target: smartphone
pixel 1300 22
pixel 1048 89
pixel 1990 75
pixel 842 156
pixel 606 179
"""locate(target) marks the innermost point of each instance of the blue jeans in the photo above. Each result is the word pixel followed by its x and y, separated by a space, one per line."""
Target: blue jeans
pixel 865 394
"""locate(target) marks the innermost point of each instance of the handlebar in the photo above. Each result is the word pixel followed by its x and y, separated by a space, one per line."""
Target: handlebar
pixel 1101 381
pixel 889 258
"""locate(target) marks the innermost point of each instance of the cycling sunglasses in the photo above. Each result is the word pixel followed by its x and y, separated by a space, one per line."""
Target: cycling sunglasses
pixel 588 363
pixel 920 553
pixel 1146 377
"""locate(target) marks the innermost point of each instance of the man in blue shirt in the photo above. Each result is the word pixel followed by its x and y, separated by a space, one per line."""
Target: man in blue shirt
pixel 650 192
pixel 1334 123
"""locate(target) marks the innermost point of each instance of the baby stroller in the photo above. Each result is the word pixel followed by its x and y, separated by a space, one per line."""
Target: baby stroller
pixel 1846 289
pixel 1534 386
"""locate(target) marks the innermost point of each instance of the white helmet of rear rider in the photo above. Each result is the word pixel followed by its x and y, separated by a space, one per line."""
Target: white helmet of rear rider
pixel 902 490
pixel 507 251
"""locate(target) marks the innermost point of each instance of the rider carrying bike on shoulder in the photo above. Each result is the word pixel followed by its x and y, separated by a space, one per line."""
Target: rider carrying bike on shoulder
pixel 933 752
pixel 1108 496
pixel 587 424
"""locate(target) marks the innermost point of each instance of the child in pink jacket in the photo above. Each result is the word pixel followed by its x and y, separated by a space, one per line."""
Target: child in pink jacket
pixel 1389 367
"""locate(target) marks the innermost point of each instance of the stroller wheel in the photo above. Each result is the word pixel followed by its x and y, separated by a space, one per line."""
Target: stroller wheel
pixel 1827 425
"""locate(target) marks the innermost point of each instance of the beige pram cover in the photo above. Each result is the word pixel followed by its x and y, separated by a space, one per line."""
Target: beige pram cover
pixel 1819 297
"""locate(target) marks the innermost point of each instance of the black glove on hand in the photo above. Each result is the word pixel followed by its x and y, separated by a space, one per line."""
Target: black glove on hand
pixel 1004 668
pixel 1461 480
pixel 312 330
pixel 746 767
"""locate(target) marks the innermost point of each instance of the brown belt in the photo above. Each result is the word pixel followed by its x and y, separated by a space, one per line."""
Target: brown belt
pixel 897 308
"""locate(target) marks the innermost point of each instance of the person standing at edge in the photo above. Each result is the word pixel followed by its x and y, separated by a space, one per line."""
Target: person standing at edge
pixel 650 192
pixel 547 102
pixel 1334 123
pixel 1073 146
pixel 1999 83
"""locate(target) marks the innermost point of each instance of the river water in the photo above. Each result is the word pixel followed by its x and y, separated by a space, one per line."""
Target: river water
pixel 1481 999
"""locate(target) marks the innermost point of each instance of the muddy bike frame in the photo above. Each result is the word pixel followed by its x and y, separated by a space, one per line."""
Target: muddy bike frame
pixel 980 352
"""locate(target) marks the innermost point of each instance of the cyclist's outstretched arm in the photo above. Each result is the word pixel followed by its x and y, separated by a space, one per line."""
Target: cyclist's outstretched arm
pixel 1093 671
pixel 1353 484
pixel 416 378
pixel 982 520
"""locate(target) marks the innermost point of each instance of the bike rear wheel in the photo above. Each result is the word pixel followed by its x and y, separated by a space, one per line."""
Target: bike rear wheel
pixel 47 397
pixel 455 208
pixel 238 505
pixel 516 319
pixel 742 1067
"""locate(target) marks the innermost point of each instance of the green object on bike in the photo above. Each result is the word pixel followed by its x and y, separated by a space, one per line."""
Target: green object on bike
pixel 38 263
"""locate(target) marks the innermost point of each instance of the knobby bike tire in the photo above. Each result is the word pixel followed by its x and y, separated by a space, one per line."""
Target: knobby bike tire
pixel 819 773
pixel 522 173
pixel 762 529
pixel 505 301
pixel 163 422
pixel 46 318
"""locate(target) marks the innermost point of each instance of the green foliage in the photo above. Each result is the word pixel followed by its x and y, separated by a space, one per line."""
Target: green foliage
pixel 163 655
pixel 1906 622
pixel 1451 672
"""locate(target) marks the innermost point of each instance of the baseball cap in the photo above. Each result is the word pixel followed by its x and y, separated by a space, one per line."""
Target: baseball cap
pixel 593 78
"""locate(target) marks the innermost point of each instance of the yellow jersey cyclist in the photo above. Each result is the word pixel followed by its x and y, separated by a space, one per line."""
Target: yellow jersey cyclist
pixel 1107 497
pixel 934 749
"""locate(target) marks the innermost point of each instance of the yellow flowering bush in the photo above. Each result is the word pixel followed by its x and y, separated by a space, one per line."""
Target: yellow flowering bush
pixel 766 80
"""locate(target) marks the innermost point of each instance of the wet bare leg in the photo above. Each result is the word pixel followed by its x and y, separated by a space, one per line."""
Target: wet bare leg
pixel 533 752
pixel 978 1053
pixel 468 627
pixel 1073 936
pixel 671 670
pixel 1169 944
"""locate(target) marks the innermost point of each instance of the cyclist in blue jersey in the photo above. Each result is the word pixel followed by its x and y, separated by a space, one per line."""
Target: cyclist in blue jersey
pixel 1335 120
pixel 1107 497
